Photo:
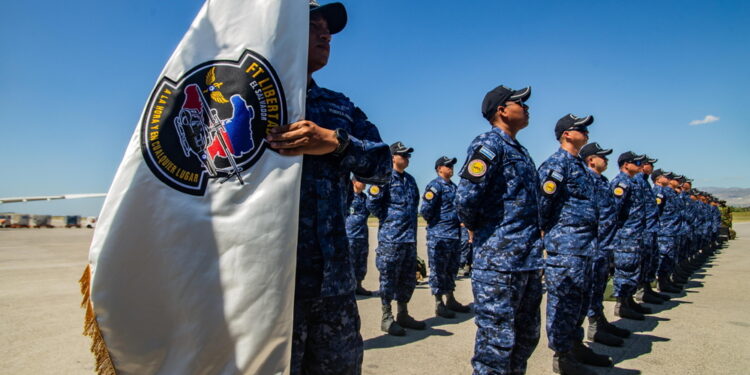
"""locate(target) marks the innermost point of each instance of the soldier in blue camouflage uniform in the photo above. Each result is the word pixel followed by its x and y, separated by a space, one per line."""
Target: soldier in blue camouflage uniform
pixel 395 204
pixel 650 253
pixel 683 269
pixel 669 225
pixel 443 238
pixel 679 278
pixel 569 221
pixel 630 213
pixel 357 232
pixel 497 200
pixel 600 330
pixel 336 139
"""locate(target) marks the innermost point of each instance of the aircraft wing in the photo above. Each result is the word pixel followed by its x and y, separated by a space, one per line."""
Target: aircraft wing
pixel 50 197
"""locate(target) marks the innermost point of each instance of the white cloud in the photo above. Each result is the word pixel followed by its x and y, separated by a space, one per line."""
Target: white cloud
pixel 706 120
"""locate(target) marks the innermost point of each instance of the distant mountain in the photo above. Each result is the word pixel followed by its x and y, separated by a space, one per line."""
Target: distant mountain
pixel 738 197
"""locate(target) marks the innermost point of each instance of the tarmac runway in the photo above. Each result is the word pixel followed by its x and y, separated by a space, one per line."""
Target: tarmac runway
pixel 705 330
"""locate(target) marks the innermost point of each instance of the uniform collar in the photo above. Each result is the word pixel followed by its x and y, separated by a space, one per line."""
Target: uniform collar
pixel 442 181
pixel 314 91
pixel 567 154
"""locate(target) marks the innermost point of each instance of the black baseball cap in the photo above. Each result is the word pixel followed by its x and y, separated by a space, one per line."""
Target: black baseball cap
pixel 572 122
pixel 398 148
pixel 629 157
pixel 446 161
pixel 593 149
pixel 501 94
pixel 649 160
pixel 334 13
pixel 656 173
pixel 668 175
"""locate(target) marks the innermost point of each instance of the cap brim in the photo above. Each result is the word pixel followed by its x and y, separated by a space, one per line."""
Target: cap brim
pixel 335 15
pixel 404 151
pixel 585 121
pixel 604 152
pixel 522 94
pixel 652 161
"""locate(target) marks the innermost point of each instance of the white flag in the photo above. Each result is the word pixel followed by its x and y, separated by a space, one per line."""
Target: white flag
pixel 192 263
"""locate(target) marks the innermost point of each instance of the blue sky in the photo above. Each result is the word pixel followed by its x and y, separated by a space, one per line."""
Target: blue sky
pixel 77 74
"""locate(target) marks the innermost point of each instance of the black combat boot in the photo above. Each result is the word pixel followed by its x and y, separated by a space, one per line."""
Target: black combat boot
pixel 441 310
pixel 452 304
pixel 624 311
pixel 586 355
pixel 598 333
pixel 566 364
pixel 637 307
pixel 643 296
pixel 407 321
pixel 647 289
pixel 666 286
pixel 387 324
pixel 611 328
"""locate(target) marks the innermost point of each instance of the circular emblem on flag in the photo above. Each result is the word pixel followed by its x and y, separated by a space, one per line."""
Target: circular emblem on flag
pixel 619 191
pixel 477 168
pixel 658 201
pixel 211 124
pixel 429 195
pixel 374 190
pixel 549 187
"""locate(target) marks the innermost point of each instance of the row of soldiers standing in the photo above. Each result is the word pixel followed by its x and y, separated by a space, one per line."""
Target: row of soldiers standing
pixel 509 211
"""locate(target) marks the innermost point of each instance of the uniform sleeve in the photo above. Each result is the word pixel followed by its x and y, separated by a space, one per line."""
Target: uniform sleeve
pixel 620 191
pixel 431 200
pixel 367 156
pixel 552 174
pixel 377 200
pixel 482 161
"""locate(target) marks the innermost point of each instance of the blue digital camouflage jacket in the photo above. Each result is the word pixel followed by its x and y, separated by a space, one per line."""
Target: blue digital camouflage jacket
pixel 497 199
pixel 439 210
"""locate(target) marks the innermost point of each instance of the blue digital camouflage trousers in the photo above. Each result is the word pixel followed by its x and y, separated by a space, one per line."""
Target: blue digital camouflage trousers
pixel 325 336
pixel 443 255
pixel 568 280
pixel 466 253
pixel 627 268
pixel 599 274
pixel 397 263
pixel 508 320
pixel 359 248
pixel 649 258
pixel 667 256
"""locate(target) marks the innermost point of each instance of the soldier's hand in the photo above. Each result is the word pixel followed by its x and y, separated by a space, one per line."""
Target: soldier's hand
pixel 471 236
pixel 302 137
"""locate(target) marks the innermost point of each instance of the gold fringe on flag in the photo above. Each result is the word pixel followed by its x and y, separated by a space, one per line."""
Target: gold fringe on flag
pixel 104 365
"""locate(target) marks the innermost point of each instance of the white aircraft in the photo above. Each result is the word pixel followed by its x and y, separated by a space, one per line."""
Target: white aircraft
pixel 50 197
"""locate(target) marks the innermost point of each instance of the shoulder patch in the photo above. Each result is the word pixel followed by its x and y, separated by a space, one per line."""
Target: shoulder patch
pixel 374 190
pixel 622 185
pixel 487 152
pixel 429 195
pixel 556 176
pixel 432 188
pixel 549 187
pixel 619 191
pixel 658 201
pixel 478 164
pixel 477 168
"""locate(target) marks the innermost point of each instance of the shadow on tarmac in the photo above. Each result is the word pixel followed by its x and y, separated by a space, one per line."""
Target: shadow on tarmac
pixel 668 305
pixel 387 341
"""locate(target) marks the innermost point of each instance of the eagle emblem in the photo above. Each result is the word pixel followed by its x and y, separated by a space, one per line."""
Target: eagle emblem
pixel 213 87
